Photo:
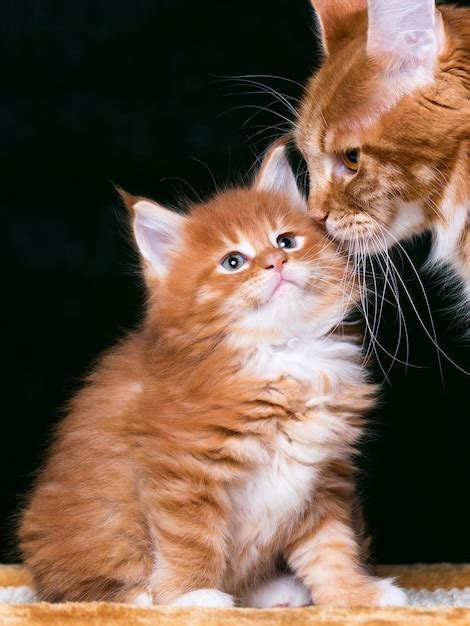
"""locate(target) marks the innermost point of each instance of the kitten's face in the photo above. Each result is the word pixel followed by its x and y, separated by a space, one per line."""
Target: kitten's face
pixel 253 260
pixel 378 139
pixel 248 260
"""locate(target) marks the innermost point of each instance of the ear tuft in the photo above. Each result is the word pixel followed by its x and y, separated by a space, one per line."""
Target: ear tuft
pixel 157 232
pixel 276 174
pixel 127 198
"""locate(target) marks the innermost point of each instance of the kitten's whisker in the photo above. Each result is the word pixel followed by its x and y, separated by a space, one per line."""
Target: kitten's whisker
pixel 208 169
pixel 183 181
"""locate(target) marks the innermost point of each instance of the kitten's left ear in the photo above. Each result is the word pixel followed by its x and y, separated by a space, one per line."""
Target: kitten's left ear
pixel 276 175
pixel 157 232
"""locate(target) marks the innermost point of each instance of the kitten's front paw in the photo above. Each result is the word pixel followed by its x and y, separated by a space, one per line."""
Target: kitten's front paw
pixel 138 597
pixel 285 591
pixel 142 599
pixel 211 598
pixel 368 591
pixel 389 594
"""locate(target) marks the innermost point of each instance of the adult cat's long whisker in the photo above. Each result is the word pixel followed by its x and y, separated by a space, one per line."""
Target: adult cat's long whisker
pixel 274 76
pixel 270 90
pixel 258 108
pixel 386 272
pixel 432 336
pixel 374 339
pixel 401 318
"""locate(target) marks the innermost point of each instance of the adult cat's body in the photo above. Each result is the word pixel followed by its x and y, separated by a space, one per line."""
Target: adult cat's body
pixel 385 126
pixel 217 441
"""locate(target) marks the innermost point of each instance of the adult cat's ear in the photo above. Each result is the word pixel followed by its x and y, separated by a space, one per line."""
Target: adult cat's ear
pixel 157 232
pixel 407 34
pixel 334 17
pixel 276 174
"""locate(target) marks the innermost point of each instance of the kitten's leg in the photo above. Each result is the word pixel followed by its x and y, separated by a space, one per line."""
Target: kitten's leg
pixel 191 571
pixel 190 540
pixel 327 558
pixel 192 576
pixel 284 591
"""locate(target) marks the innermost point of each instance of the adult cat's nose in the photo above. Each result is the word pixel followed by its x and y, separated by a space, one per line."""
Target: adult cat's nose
pixel 275 261
pixel 319 215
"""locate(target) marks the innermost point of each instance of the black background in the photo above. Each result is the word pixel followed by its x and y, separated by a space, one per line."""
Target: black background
pixel 98 91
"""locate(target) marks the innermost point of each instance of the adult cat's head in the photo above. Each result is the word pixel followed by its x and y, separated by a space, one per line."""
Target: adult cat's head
pixel 249 261
pixel 383 125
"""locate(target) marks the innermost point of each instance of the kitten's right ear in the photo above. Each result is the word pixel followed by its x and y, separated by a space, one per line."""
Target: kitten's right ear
pixel 276 174
pixel 157 231
pixel 334 19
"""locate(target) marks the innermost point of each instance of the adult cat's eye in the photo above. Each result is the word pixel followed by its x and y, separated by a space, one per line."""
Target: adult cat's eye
pixel 233 261
pixel 351 159
pixel 286 241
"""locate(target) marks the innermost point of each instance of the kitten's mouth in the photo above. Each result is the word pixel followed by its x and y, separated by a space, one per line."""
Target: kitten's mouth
pixel 282 282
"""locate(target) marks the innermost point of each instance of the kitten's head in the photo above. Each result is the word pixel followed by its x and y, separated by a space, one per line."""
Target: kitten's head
pixel 381 123
pixel 248 261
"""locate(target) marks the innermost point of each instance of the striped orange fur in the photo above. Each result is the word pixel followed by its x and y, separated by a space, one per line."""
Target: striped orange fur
pixel 209 458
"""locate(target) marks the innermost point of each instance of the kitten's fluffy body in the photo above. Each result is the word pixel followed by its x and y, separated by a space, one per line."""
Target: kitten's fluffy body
pixel 395 83
pixel 216 442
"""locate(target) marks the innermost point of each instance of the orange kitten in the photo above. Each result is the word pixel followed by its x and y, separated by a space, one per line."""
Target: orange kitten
pixel 209 458
pixel 385 126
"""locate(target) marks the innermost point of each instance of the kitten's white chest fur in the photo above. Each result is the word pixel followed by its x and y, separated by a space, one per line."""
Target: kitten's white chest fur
pixel 306 359
pixel 284 482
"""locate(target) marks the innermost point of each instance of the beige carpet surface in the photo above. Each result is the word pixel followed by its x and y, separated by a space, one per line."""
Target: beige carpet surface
pixel 434 584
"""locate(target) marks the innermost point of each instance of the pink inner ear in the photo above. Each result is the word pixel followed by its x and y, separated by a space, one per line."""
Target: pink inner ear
pixel 403 30
pixel 159 241
pixel 155 244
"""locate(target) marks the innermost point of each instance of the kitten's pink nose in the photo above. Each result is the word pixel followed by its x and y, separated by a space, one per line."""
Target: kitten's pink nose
pixel 319 215
pixel 274 261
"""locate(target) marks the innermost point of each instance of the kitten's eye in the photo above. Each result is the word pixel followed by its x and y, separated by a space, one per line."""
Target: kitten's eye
pixel 286 241
pixel 351 159
pixel 233 261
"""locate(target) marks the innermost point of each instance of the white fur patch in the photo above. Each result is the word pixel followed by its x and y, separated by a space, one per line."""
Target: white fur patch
pixel 240 245
pixel 284 482
pixel 142 599
pixel 285 591
pixel 306 359
pixel 408 220
pixel 265 503
pixel 210 598
pixel 391 595
pixel 447 235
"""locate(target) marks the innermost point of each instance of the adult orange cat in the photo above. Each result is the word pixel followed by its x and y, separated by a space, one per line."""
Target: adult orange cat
pixel 385 126
pixel 209 458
